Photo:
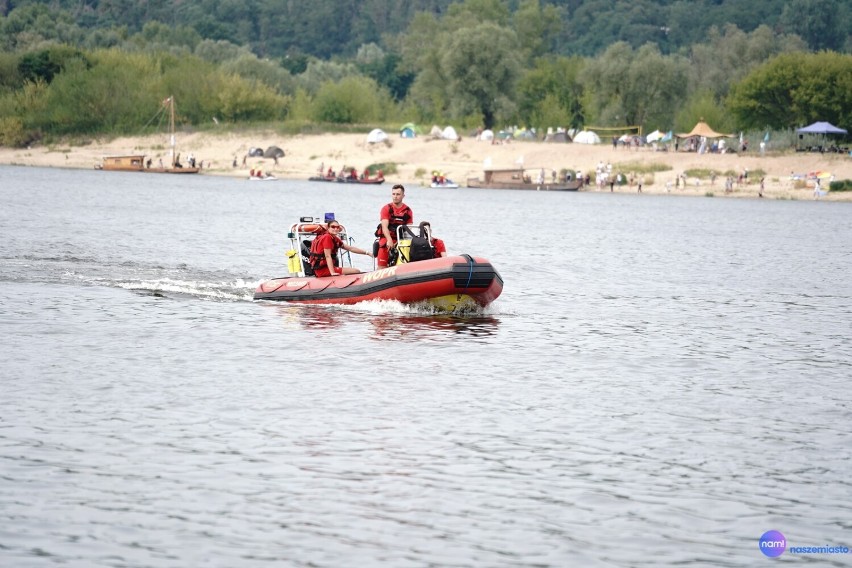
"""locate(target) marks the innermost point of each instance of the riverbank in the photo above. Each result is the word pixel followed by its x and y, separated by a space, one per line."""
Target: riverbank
pixel 416 158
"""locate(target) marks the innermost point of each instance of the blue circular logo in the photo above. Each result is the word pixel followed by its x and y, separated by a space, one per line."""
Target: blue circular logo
pixel 772 544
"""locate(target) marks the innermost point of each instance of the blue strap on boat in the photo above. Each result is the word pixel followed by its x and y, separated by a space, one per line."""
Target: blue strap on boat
pixel 469 272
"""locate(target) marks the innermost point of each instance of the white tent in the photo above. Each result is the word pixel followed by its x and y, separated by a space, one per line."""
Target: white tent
pixel 655 136
pixel 376 135
pixel 435 132
pixel 487 135
pixel 449 133
pixel 587 137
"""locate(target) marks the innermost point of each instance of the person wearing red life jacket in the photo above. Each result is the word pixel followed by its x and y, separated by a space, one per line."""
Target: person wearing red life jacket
pixel 438 247
pixel 392 215
pixel 324 249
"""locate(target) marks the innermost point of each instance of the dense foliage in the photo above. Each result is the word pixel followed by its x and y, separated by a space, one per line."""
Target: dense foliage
pixel 328 28
pixel 100 66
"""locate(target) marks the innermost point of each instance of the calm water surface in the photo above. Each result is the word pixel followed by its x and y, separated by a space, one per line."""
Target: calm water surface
pixel 663 380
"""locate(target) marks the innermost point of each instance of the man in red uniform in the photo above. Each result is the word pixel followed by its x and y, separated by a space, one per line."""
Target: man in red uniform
pixel 392 215
pixel 438 247
pixel 324 249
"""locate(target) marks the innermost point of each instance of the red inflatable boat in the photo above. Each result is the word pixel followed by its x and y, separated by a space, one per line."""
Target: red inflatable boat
pixel 448 283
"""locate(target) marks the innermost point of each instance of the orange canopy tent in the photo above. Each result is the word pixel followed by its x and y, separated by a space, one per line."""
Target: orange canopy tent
pixel 701 129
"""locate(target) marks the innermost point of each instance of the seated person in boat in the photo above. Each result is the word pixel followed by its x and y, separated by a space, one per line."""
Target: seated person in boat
pixel 353 174
pixel 330 173
pixel 324 253
pixel 438 248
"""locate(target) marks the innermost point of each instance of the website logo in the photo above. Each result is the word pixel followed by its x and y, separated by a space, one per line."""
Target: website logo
pixel 772 544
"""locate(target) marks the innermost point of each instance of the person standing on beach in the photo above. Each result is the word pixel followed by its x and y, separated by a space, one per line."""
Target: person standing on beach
pixel 393 215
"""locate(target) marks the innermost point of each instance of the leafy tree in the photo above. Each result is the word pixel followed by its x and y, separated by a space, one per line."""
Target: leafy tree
pixel 635 88
pixel 384 69
pixel 10 76
pixel 795 89
pixel 702 106
pixel 729 55
pixel 296 63
pixel 264 71
pixel 821 23
pixel 32 26
pixel 354 100
pixel 159 36
pixel 320 72
pixel 219 51
pixel 482 66
pixel 537 28
pixel 470 12
pixel 551 94
pixel 45 64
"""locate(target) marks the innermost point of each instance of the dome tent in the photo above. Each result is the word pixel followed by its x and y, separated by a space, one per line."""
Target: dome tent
pixel 449 133
pixel 273 152
pixel 376 135
pixel 409 130
pixel 587 137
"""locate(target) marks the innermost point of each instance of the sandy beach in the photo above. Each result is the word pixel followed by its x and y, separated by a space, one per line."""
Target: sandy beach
pixel 416 158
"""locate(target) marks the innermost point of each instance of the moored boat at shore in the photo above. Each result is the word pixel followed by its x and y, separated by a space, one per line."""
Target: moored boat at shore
pixel 138 163
pixel 520 178
pixel 448 283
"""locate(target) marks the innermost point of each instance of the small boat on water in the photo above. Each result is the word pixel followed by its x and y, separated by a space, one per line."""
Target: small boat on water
pixel 262 178
pixel 520 178
pixel 446 184
pixel 448 283
pixel 138 163
pixel 365 181
pixel 348 175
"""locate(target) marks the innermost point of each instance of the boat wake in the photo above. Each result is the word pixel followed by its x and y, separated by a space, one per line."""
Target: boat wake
pixel 235 291
pixel 153 279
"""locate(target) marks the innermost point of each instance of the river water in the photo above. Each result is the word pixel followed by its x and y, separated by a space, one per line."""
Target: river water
pixel 663 380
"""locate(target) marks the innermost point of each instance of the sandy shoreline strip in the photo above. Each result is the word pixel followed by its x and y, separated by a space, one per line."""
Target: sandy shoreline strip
pixel 416 158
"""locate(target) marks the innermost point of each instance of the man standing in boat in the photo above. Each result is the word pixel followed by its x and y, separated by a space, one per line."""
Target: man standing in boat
pixel 392 215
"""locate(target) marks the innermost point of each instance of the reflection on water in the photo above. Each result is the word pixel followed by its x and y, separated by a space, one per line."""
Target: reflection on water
pixel 389 320
pixel 433 327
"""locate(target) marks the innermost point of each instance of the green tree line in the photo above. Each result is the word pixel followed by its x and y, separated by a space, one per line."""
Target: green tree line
pixel 489 63
pixel 329 28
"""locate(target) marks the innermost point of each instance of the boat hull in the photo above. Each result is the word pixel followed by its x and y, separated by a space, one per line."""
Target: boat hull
pixel 448 283
pixel 520 178
pixel 368 181
pixel 478 183
pixel 137 164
